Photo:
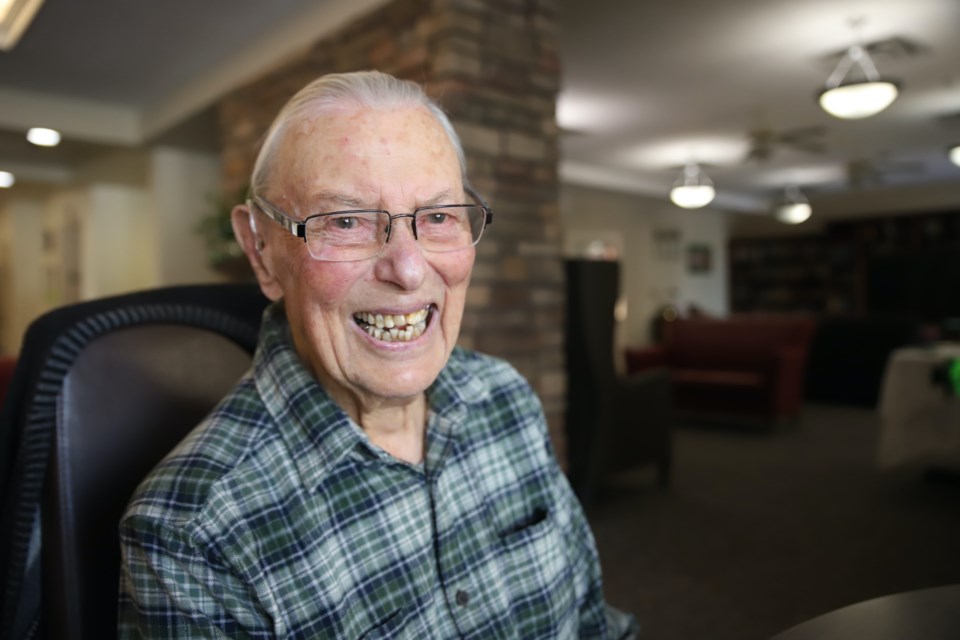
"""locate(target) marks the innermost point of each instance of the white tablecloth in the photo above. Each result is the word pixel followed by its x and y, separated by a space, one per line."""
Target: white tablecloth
pixel 920 423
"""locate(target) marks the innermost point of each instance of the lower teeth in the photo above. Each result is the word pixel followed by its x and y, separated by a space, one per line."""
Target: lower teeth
pixel 396 334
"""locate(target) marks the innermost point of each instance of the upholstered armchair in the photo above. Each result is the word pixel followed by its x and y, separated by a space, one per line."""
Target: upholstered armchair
pixel 101 392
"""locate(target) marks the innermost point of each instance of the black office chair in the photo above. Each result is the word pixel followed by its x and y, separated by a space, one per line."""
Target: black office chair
pixel 102 391
pixel 613 422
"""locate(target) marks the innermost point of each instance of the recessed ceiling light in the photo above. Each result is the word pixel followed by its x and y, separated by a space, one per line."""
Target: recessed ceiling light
pixel 955 154
pixel 6 180
pixel 43 137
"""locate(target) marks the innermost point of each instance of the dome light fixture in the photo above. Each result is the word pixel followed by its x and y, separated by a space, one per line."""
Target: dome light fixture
pixel 6 180
pixel 954 154
pixel 794 208
pixel 43 137
pixel 693 189
pixel 861 98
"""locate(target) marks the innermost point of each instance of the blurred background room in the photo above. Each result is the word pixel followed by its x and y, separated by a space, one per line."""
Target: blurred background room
pixel 726 248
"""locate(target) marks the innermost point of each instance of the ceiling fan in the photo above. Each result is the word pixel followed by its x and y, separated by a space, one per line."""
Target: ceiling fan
pixel 866 172
pixel 765 141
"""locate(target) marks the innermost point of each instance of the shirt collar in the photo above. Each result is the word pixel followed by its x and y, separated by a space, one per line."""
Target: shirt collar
pixel 310 420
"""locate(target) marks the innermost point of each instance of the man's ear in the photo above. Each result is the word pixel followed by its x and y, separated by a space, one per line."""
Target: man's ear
pixel 253 242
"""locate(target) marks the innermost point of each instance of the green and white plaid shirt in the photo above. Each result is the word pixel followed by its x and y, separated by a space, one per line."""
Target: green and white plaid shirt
pixel 277 518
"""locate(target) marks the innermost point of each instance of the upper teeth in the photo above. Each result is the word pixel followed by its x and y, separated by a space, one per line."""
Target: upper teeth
pixel 389 321
pixel 394 327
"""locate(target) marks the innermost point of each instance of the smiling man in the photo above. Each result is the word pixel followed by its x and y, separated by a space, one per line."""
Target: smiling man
pixel 367 478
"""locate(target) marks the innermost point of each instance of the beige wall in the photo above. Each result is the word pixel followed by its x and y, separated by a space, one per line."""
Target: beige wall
pixel 23 248
pixel 651 275
pixel 184 187
pixel 126 222
pixel 119 242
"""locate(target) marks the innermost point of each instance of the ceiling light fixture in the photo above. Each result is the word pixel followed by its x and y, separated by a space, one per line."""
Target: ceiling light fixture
pixel 794 208
pixel 6 179
pixel 43 137
pixel 15 17
pixel 954 154
pixel 862 95
pixel 693 189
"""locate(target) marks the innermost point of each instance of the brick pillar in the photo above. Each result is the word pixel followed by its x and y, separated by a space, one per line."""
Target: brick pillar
pixel 493 65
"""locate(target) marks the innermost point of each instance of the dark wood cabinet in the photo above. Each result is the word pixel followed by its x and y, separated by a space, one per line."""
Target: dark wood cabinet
pixel 895 265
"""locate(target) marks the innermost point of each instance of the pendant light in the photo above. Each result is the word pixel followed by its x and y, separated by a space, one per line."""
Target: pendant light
pixel 865 95
pixel 693 189
pixel 794 208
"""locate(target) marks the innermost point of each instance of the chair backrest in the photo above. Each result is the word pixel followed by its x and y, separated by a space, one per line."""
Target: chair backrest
pixel 102 391
pixel 592 290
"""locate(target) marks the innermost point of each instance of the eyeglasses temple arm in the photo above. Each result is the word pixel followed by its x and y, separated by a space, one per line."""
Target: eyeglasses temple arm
pixel 297 228
pixel 470 191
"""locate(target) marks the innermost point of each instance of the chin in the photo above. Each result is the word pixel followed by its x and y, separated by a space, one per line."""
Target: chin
pixel 404 380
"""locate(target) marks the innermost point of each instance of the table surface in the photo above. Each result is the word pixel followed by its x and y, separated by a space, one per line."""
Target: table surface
pixel 927 614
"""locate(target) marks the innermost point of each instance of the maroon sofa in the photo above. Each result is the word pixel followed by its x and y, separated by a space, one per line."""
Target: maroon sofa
pixel 745 366
pixel 7 365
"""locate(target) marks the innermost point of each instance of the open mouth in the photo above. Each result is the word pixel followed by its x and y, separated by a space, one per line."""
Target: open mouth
pixel 394 327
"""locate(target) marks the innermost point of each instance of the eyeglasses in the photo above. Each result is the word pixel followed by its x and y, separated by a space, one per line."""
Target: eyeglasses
pixel 345 236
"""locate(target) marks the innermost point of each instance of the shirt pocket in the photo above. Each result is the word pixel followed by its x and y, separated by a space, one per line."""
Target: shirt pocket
pixel 528 528
pixel 536 575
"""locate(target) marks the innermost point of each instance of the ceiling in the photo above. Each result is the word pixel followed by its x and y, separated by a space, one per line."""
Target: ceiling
pixel 647 86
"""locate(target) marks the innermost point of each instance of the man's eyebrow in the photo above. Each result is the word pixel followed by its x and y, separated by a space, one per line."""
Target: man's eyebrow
pixel 337 200
pixel 444 197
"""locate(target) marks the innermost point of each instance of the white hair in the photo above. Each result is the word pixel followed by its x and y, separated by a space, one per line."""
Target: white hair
pixel 359 89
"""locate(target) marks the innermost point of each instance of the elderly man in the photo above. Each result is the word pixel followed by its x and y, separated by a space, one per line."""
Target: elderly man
pixel 367 478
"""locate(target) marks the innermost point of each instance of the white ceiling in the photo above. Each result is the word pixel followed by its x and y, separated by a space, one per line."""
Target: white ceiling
pixel 647 85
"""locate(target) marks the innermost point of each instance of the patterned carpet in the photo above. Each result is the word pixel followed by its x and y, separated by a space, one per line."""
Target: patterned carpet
pixel 762 530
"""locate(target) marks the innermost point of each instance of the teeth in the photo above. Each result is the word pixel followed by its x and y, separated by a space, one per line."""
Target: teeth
pixel 394 327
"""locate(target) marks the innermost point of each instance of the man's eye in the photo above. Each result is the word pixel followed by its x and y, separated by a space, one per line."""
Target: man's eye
pixel 438 217
pixel 345 222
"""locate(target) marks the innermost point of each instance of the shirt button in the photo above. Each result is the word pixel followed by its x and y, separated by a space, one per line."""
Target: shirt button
pixel 463 598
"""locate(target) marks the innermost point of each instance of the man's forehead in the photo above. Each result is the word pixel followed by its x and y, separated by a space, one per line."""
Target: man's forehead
pixel 319 138
pixel 373 197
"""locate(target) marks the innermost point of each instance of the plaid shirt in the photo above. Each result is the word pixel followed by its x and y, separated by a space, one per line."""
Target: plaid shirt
pixel 277 518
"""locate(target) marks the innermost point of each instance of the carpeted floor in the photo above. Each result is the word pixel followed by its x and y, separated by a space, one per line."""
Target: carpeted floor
pixel 762 530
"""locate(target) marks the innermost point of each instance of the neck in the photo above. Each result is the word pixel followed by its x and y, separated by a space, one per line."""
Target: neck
pixel 398 429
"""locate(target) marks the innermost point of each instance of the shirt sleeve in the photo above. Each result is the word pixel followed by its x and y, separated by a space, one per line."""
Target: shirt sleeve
pixel 597 618
pixel 171 588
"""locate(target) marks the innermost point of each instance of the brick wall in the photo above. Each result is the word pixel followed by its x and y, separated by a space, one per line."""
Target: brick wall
pixel 493 65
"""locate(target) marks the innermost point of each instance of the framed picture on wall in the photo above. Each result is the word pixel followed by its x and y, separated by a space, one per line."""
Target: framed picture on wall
pixel 699 258
pixel 666 243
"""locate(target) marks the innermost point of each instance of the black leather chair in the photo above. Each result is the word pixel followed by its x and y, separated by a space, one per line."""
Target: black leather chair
pixel 102 391
pixel 613 422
